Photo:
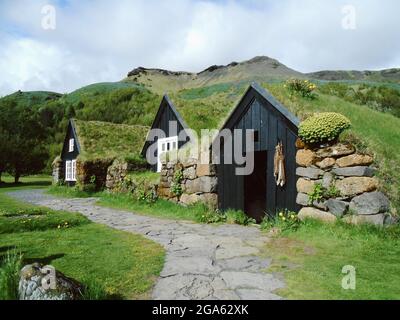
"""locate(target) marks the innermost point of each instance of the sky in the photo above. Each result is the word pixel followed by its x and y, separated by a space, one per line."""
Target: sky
pixel 62 45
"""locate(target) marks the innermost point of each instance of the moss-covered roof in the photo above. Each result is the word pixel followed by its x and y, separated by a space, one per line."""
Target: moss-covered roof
pixel 104 140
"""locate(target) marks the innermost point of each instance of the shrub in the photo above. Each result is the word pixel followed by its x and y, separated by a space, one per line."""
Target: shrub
pixel 176 186
pixel 303 87
pixel 323 127
pixel 9 276
pixel 321 193
pixel 238 217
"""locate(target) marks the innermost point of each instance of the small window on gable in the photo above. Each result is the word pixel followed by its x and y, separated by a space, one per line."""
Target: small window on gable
pixel 71 145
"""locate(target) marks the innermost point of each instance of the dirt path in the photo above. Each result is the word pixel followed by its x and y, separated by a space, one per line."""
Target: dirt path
pixel 203 261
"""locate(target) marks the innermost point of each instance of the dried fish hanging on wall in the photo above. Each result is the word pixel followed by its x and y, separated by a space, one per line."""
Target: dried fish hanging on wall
pixel 279 165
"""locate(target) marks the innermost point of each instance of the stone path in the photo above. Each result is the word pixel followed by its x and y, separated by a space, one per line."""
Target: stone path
pixel 202 262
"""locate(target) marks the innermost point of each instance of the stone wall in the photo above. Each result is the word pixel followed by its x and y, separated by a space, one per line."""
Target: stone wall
pixel 118 170
pixel 86 170
pixel 349 176
pixel 199 182
pixel 58 171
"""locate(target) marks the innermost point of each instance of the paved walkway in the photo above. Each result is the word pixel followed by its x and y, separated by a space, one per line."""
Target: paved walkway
pixel 203 261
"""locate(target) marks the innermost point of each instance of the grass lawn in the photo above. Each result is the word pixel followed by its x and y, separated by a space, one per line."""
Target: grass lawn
pixel 124 264
pixel 311 260
pixel 37 181
pixel 161 208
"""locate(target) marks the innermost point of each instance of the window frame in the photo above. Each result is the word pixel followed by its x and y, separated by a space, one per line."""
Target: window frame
pixel 162 144
pixel 70 170
pixel 71 145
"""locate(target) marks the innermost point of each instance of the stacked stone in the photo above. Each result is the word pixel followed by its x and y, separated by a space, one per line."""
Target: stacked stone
pixel 118 170
pixel 352 174
pixel 58 171
pixel 199 183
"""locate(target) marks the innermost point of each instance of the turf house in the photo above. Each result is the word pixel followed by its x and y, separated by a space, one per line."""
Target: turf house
pixel 92 148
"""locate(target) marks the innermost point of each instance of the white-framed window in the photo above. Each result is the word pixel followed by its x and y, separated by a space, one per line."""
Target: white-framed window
pixel 71 145
pixel 165 145
pixel 70 170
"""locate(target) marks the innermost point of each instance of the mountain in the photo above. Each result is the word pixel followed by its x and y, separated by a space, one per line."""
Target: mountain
pixel 388 75
pixel 260 69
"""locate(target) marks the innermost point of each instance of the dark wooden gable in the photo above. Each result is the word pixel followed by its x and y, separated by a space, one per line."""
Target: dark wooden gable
pixel 165 114
pixel 71 134
pixel 259 111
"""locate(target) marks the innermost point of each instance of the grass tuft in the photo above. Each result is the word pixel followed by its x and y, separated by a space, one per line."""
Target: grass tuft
pixel 9 275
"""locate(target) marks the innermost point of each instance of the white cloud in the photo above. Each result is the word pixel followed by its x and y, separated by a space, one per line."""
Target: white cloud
pixel 103 40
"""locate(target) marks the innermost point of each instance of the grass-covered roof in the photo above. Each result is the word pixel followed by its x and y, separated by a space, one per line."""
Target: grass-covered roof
pixel 104 140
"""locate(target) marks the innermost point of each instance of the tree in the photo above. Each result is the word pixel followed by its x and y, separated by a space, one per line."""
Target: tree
pixel 3 152
pixel 23 140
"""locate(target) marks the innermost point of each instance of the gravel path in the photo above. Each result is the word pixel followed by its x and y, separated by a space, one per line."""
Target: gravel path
pixel 203 261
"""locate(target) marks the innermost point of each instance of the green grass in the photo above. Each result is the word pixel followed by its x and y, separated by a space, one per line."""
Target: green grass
pixel 103 140
pixel 124 264
pixel 161 208
pixel 36 180
pixel 311 260
pixel 147 176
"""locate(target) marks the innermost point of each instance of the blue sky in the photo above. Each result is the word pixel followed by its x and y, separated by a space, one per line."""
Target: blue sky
pixel 102 40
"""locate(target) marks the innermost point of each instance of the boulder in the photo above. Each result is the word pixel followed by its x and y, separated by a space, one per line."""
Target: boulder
pixel 188 199
pixel 370 203
pixel 38 282
pixel 356 185
pixel 305 158
pixel 390 220
pixel 320 205
pixel 205 170
pixel 202 185
pixel 336 151
pixel 210 199
pixel 328 180
pixel 312 213
pixel 377 219
pixel 189 173
pixel 310 173
pixel 165 193
pixel 326 163
pixel 305 186
pixel 355 160
pixel 337 207
pixel 359 171
pixel 302 199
